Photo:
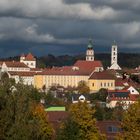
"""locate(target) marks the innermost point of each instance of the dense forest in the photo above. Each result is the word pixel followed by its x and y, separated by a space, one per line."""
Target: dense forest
pixel 129 60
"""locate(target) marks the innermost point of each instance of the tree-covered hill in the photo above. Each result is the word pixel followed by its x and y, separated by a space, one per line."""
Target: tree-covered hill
pixel 129 60
pixel 124 60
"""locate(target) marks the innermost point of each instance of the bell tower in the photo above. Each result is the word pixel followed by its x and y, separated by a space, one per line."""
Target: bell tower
pixel 114 57
pixel 114 54
pixel 90 51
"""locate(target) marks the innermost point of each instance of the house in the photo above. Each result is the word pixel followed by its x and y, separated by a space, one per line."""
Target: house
pixel 103 79
pixel 80 98
pixel 132 90
pixel 121 97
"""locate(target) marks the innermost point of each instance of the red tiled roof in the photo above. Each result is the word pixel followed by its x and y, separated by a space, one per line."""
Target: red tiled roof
pixel 79 68
pixel 111 91
pixel 30 57
pixel 22 73
pixel 88 66
pixel 102 75
pixel 119 95
pixel 131 71
pixel 36 69
pixel 15 64
pixel 121 82
pixel 61 71
pixel 134 97
pixel 64 71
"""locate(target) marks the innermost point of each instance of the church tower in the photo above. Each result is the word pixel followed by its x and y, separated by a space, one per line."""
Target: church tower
pixel 114 54
pixel 114 57
pixel 90 52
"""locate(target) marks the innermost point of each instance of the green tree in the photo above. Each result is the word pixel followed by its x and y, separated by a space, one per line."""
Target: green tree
pixel 82 87
pixel 81 124
pixel 17 118
pixel 131 123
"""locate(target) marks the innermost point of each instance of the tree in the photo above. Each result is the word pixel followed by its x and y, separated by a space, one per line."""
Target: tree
pixel 19 118
pixel 45 130
pixel 131 123
pixel 80 124
pixel 82 87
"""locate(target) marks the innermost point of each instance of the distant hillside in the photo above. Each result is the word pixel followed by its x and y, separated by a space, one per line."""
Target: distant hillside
pixel 125 60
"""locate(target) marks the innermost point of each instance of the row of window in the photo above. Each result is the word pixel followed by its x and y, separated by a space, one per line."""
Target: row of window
pixel 32 64
pixel 104 84
pixel 18 69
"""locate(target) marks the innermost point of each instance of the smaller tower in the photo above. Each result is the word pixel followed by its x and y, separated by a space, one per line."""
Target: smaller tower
pixel 114 57
pixel 90 51
pixel 114 53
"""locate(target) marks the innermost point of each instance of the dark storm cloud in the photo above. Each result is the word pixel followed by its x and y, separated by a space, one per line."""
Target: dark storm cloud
pixel 47 25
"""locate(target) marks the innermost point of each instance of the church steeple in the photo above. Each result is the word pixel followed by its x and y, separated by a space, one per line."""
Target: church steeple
pixel 114 53
pixel 90 44
pixel 114 56
pixel 90 51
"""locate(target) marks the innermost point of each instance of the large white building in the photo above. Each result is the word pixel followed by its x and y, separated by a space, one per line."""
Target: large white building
pixel 13 66
pixel 114 57
pixel 21 71
pixel 29 60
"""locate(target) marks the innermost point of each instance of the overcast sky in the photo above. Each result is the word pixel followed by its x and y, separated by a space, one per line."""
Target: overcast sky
pixel 64 26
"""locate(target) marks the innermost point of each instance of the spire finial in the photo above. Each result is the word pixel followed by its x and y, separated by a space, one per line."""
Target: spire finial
pixel 90 44
pixel 114 43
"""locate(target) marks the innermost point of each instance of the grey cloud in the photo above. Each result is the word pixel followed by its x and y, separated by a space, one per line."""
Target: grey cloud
pixel 55 9
pixel 65 23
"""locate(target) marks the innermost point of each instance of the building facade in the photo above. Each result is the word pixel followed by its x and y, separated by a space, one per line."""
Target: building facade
pixel 99 80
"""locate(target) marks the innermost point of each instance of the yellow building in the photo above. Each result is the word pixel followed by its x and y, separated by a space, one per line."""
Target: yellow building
pixel 68 75
pixel 39 80
pixel 100 80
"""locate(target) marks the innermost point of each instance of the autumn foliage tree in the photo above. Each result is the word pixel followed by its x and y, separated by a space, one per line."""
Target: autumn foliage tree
pixel 131 123
pixel 21 116
pixel 82 87
pixel 81 125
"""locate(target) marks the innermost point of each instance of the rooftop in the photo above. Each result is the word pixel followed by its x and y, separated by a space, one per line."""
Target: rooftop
pixel 29 57
pixel 14 64
pixel 102 75
pixel 81 67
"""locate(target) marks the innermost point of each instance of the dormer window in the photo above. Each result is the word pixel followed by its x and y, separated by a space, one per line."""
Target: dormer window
pixel 75 68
